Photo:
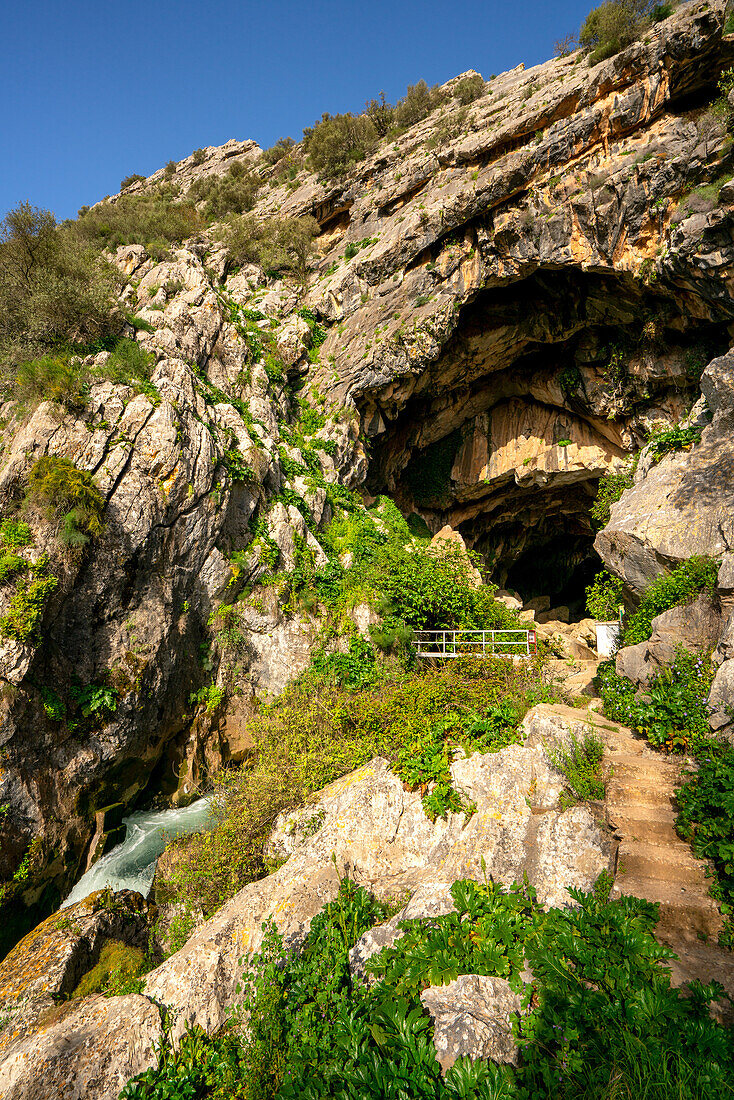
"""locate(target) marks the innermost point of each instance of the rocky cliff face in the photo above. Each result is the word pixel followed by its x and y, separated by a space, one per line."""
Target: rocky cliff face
pixel 511 296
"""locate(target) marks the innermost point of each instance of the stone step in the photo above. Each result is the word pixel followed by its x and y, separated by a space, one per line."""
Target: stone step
pixel 622 791
pixel 635 821
pixel 636 766
pixel 684 915
pixel 669 863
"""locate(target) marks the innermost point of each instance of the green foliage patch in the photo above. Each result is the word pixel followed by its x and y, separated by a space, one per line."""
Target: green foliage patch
pixel 604 597
pixel 706 819
pixel 22 620
pixel 317 731
pixel 677 439
pixel 602 1017
pixel 681 585
pixel 57 487
pixel 116 972
pixel 580 762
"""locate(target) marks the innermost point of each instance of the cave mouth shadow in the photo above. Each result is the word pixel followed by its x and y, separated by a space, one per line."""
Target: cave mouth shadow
pixel 561 568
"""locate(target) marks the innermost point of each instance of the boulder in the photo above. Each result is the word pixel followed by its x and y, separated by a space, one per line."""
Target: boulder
pixel 721 697
pixel 695 626
pixel 555 614
pixel 472 1017
pixel 49 962
pixel 684 505
pixel 89 1053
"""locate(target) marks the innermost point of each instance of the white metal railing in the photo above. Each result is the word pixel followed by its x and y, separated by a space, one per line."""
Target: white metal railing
pixel 475 643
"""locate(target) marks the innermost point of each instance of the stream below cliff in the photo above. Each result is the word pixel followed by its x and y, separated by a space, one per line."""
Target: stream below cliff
pixel 131 865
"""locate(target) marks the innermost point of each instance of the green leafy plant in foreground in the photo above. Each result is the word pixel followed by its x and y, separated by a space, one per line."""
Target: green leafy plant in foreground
pixel 601 1018
pixel 604 597
pixel 706 819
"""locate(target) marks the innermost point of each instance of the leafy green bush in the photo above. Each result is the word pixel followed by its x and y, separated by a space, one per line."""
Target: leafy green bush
pixel 682 585
pixel 604 597
pixel 468 89
pixel 612 26
pixel 279 245
pixel 677 439
pixel 55 291
pixel 337 142
pixel 418 102
pixel 131 365
pixel 611 487
pixel 706 817
pixel 156 219
pixel 283 147
pixel 232 193
pixel 52 378
pixel 56 486
pixel 23 618
pixel 130 180
pixel 603 1019
pixel 11 565
pixel 674 715
pixel 15 533
pixel 317 731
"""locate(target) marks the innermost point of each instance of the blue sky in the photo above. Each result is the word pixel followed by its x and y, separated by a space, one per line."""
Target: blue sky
pixel 92 92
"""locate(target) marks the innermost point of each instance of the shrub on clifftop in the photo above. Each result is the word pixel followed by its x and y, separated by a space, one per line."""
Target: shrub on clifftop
pixel 612 26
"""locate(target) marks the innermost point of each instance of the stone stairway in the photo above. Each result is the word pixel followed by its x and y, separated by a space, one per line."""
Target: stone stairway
pixel 653 862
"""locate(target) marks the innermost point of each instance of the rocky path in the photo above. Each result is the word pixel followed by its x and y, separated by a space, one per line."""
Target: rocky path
pixel 652 860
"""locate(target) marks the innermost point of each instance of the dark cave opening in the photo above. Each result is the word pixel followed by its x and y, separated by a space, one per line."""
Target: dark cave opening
pixel 545 384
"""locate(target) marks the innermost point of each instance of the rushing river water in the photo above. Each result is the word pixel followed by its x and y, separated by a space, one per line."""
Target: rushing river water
pixel 131 865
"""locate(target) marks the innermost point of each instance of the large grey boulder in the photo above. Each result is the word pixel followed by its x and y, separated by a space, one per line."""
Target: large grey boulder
pixel 695 626
pixel 88 1054
pixel 473 1017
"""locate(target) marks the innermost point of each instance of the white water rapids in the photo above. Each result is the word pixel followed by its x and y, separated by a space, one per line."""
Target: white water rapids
pixel 131 865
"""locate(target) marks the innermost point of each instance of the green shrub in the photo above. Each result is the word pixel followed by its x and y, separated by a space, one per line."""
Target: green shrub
pixel 604 597
pixel 11 565
pixel 611 487
pixel 24 616
pixel 335 143
pixel 131 365
pixel 198 156
pixel 282 148
pixel 416 104
pixel 156 219
pixel 56 292
pixel 130 180
pixel 673 716
pixel 677 439
pixel 682 585
pixel 381 114
pixel 612 26
pixel 580 763
pixel 52 378
pixel 56 486
pixel 15 533
pixel 279 245
pixel 468 89
pixel 706 818
pixel 232 193
pixel 115 973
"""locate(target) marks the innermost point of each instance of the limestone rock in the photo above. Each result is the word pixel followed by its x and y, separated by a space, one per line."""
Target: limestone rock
pixel 49 962
pixel 696 626
pixel 88 1054
pixel 684 505
pixel 472 1016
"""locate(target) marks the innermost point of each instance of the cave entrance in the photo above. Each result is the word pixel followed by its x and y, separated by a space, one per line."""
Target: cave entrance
pixel 546 384
pixel 560 569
